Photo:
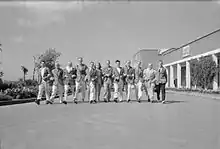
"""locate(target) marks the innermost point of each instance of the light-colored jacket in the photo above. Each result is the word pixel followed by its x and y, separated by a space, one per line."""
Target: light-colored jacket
pixel 46 76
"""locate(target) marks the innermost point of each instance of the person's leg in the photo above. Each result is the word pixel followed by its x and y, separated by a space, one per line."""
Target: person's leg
pixel 115 91
pixel 98 91
pixel 92 92
pixel 120 90
pixel 129 92
pixel 83 87
pixel 105 94
pixel 66 90
pixel 61 91
pixel 47 92
pixel 72 87
pixel 158 91
pixel 140 90
pixel 163 92
pixel 77 91
pixel 109 88
pixel 151 92
pixel 54 92
pixel 40 93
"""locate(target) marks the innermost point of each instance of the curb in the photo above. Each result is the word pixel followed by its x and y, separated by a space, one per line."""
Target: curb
pixel 195 94
pixel 17 101
pixel 21 101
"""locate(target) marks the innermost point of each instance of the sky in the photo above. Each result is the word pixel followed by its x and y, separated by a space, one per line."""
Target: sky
pixel 97 31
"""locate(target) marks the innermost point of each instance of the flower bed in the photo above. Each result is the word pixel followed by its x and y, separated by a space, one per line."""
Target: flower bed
pixel 21 93
pixel 194 90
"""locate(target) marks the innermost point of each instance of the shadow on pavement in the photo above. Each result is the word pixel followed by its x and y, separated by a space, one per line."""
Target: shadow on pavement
pixel 174 101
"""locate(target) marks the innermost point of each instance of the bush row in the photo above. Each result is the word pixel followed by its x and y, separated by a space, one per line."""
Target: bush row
pixel 198 90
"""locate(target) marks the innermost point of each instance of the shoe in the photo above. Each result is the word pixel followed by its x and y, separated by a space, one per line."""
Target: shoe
pixel 148 100
pixel 49 102
pixel 95 101
pixel 75 100
pixel 139 100
pixel 115 100
pixel 64 102
pixel 83 100
pixel 128 100
pixel 105 100
pixel 37 101
pixel 163 102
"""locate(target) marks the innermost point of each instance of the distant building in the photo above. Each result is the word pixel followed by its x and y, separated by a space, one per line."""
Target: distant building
pixel 177 60
pixel 146 56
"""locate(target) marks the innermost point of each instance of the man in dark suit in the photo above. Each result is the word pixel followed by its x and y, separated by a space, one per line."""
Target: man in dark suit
pixel 58 83
pixel 161 80
pixel 43 82
pixel 130 76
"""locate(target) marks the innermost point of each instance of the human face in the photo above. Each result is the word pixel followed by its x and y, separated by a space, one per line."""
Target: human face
pixel 108 63
pixel 92 65
pixel 139 64
pixel 70 64
pixel 80 60
pixel 160 63
pixel 97 65
pixel 57 65
pixel 150 66
pixel 128 63
pixel 118 64
pixel 42 64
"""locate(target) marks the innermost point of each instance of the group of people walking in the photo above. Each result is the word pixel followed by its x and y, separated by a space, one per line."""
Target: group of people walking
pixel 80 78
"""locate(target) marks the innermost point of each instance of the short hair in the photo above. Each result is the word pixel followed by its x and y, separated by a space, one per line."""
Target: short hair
pixel 160 61
pixel 117 61
pixel 80 58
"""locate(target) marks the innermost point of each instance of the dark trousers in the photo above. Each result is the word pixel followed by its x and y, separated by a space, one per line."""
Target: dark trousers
pixel 161 87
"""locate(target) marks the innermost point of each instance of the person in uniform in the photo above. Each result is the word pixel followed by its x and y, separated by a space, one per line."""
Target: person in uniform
pixel 81 71
pixel 161 80
pixel 58 84
pixel 118 74
pixel 92 79
pixel 99 82
pixel 69 80
pixel 138 81
pixel 43 82
pixel 107 78
pixel 130 75
pixel 149 82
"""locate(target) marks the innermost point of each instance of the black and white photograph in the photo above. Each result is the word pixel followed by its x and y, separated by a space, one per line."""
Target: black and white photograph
pixel 110 74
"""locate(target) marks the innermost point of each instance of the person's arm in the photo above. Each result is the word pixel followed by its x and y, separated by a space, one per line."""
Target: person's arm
pixel 165 74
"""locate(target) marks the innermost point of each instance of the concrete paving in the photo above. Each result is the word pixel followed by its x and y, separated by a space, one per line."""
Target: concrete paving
pixel 185 122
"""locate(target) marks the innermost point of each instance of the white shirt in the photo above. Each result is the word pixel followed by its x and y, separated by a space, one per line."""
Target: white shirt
pixel 119 70
pixel 68 69
pixel 43 71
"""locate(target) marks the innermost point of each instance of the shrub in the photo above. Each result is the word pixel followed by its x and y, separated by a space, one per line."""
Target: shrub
pixel 5 97
pixel 203 72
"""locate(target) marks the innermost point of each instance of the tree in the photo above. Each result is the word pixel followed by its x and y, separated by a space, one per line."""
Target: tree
pixel 24 70
pixel 208 71
pixel 203 72
pixel 50 56
pixel 194 69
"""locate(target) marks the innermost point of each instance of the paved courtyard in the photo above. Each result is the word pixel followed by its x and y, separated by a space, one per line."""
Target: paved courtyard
pixel 185 122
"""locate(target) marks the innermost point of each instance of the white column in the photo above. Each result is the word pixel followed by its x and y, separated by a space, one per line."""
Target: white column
pixel 178 75
pixel 171 76
pixel 215 81
pixel 167 85
pixel 188 79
